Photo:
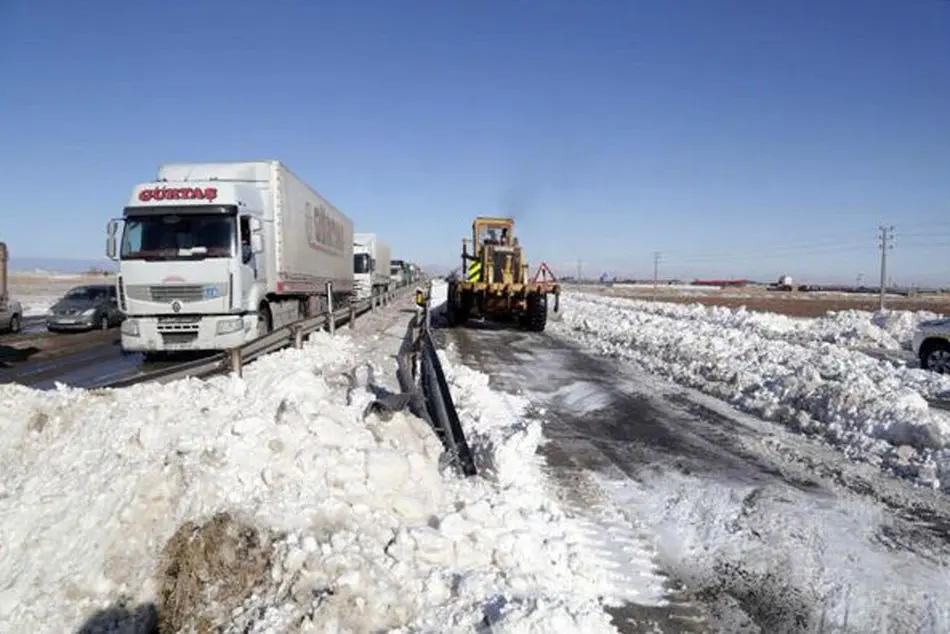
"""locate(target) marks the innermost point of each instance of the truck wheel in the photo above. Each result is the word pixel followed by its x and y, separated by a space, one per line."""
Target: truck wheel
pixel 537 313
pixel 935 356
pixel 15 324
pixel 264 324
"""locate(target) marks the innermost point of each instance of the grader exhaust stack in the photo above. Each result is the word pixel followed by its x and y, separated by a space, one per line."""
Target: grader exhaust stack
pixel 495 282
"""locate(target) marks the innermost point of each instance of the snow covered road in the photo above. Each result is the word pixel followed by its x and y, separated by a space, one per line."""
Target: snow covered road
pixel 767 529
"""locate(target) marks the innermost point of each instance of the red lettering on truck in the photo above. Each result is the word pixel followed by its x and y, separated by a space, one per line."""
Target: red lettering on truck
pixel 178 193
pixel 323 232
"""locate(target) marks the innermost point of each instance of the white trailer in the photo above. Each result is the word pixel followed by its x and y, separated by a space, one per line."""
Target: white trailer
pixel 370 265
pixel 213 255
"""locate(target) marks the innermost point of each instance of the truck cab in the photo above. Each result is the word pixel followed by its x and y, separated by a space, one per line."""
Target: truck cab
pixel 397 273
pixel 190 272
pixel 363 266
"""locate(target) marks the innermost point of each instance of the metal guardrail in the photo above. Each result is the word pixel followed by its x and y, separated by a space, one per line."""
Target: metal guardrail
pixel 290 335
pixel 420 373
pixel 439 408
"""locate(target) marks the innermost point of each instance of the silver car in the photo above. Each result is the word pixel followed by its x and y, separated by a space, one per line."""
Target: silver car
pixel 931 344
pixel 89 307
pixel 11 315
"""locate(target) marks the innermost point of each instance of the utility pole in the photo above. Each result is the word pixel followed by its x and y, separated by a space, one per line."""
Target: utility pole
pixel 886 237
pixel 579 268
pixel 656 272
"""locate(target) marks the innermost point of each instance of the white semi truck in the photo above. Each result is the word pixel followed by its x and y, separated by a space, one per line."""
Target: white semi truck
pixel 213 255
pixel 370 265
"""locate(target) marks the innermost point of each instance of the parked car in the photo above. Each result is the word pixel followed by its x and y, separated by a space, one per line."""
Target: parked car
pixel 89 307
pixel 931 344
pixel 11 315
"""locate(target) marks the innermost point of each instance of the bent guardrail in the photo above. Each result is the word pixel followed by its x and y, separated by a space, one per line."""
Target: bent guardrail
pixel 290 335
pixel 439 406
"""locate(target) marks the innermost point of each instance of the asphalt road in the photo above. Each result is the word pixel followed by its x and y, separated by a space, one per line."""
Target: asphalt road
pixel 669 453
pixel 41 359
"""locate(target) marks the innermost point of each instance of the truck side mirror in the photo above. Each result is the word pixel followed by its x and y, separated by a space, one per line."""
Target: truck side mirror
pixel 111 229
pixel 257 240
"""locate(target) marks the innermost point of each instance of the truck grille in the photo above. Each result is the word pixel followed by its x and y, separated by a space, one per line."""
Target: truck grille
pixel 179 338
pixel 184 293
pixel 175 324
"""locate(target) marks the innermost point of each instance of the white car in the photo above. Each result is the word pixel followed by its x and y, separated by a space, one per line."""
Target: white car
pixel 931 345
pixel 11 315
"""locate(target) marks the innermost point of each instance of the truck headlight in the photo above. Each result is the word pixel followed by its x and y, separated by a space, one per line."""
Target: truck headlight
pixel 130 327
pixel 227 326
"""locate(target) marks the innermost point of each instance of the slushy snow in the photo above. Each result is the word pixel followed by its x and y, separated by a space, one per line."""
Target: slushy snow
pixel 368 534
pixel 808 374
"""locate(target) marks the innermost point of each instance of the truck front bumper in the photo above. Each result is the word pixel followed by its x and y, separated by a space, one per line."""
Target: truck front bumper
pixel 187 333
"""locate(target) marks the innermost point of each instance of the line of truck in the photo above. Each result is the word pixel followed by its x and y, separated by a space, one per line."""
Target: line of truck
pixel 213 255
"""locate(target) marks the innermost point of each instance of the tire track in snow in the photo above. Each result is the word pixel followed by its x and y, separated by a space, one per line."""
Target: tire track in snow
pixel 624 550
pixel 642 598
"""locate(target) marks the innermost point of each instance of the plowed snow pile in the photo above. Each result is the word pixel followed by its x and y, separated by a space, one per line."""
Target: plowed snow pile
pixel 270 504
pixel 804 373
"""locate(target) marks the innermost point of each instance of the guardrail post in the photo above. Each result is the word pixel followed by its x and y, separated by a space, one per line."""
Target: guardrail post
pixel 352 320
pixel 331 322
pixel 372 302
pixel 236 364
pixel 298 338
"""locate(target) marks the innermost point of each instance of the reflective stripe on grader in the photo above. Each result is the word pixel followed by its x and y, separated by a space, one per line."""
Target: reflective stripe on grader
pixel 474 271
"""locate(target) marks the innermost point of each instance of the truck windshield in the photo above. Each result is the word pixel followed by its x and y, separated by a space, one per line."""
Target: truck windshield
pixel 178 237
pixel 362 263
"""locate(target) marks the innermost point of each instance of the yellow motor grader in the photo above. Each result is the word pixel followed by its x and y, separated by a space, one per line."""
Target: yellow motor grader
pixel 494 283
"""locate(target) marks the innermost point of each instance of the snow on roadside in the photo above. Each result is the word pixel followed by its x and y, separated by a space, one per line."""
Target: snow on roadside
pixel 36 305
pixel 363 531
pixel 891 330
pixel 779 369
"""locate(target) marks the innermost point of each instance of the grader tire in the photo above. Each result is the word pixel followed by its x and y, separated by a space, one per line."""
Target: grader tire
pixel 537 313
pixel 458 308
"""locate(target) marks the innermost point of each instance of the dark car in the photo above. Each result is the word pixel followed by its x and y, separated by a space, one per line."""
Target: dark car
pixel 89 307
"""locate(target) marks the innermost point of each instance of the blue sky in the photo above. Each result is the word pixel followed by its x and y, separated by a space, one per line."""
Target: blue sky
pixel 738 137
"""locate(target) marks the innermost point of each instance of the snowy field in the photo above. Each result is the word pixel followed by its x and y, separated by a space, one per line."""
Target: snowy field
pixel 811 375
pixel 748 292
pixel 277 503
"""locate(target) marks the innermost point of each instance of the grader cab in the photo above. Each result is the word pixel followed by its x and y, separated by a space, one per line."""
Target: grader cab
pixel 495 282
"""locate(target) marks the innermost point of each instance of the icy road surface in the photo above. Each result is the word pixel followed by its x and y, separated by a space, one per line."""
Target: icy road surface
pixel 768 530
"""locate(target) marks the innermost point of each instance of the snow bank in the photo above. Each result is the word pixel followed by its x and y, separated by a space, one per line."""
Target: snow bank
pixel 36 305
pixel 890 330
pixel 805 374
pixel 362 531
pixel 438 295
